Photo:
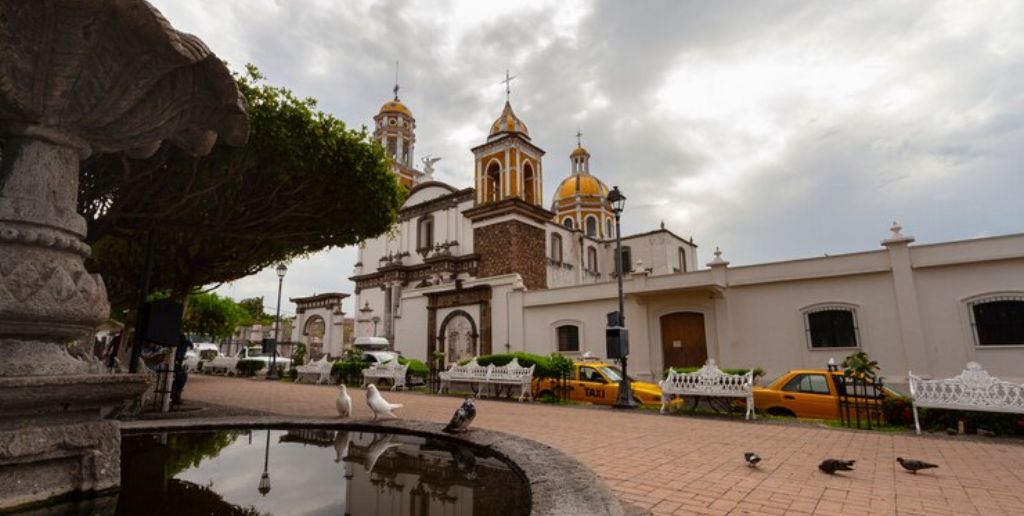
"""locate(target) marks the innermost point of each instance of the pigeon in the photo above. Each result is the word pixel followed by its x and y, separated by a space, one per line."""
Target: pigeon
pixel 379 405
pixel 752 459
pixel 342 439
pixel 830 466
pixel 462 417
pixel 377 448
pixel 914 466
pixel 344 402
pixel 465 461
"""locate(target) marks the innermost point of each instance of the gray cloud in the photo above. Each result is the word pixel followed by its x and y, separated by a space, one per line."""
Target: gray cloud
pixel 773 129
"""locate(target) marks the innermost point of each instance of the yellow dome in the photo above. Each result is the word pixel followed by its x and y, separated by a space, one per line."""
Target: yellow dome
pixel 579 151
pixel 395 106
pixel 508 122
pixel 582 184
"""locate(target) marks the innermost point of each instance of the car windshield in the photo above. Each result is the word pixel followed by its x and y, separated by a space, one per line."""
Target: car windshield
pixel 256 352
pixel 613 374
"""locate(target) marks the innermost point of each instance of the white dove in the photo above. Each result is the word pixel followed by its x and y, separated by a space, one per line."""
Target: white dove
pixel 379 405
pixel 341 443
pixel 344 402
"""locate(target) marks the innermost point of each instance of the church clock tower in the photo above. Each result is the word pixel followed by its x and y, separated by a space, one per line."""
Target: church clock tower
pixel 395 130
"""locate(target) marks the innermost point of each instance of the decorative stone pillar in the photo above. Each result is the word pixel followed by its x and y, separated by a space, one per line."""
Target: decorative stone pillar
pixel 78 77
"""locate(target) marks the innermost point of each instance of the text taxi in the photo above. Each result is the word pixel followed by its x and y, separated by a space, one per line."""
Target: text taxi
pixel 596 382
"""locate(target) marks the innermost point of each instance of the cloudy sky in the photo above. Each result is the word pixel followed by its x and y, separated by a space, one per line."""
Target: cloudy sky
pixel 775 130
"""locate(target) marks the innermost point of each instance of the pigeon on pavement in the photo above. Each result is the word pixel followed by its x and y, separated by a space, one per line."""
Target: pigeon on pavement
pixel 379 405
pixel 830 466
pixel 914 466
pixel 344 402
pixel 752 459
pixel 462 418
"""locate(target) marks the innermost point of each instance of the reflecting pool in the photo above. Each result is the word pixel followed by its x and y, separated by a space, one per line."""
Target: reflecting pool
pixel 312 472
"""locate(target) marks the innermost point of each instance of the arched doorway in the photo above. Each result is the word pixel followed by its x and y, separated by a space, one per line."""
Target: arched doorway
pixel 314 331
pixel 683 343
pixel 458 337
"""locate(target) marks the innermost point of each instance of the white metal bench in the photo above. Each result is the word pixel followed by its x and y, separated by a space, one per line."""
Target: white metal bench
pixel 709 381
pixel 389 370
pixel 509 375
pixel 320 370
pixel 222 365
pixel 973 389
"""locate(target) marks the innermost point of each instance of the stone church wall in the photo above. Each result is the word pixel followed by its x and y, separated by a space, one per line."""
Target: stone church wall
pixel 513 247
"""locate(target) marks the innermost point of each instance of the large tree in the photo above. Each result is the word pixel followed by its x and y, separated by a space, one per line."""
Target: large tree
pixel 213 316
pixel 303 183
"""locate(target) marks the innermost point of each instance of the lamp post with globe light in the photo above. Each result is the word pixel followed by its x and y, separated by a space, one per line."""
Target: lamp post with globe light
pixel 264 486
pixel 281 271
pixel 625 398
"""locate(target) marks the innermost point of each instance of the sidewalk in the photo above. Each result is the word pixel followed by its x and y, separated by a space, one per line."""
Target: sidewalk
pixel 694 465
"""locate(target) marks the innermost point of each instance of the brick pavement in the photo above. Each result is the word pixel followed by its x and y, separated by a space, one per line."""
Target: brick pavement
pixel 694 465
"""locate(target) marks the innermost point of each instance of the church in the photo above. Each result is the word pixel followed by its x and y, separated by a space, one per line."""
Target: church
pixel 494 267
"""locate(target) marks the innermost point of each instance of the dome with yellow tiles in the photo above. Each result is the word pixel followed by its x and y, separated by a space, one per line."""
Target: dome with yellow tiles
pixel 579 152
pixel 584 185
pixel 395 106
pixel 508 122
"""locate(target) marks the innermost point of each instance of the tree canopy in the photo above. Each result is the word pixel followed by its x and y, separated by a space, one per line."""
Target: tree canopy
pixel 214 316
pixel 254 307
pixel 303 183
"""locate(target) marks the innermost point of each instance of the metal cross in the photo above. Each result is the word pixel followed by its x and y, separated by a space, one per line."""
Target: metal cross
pixel 578 135
pixel 508 84
pixel 396 80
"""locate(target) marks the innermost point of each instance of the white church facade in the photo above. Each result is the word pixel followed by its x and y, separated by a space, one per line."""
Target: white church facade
pixel 488 268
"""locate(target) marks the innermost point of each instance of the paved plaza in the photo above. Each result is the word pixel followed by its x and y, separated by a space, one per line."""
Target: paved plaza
pixel 694 465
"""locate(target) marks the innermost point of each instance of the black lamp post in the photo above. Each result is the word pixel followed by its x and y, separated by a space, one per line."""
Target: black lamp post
pixel 264 486
pixel 618 202
pixel 281 271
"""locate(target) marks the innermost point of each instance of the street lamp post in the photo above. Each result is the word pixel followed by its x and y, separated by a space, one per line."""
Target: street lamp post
pixel 281 271
pixel 264 486
pixel 618 202
pixel 375 320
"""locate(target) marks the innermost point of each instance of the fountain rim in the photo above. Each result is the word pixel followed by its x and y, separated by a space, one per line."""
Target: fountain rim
pixel 558 484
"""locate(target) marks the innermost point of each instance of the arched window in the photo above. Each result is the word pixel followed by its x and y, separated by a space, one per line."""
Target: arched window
pixel 568 338
pixel 556 247
pixel 831 326
pixel 627 260
pixel 682 259
pixel 393 148
pixel 592 259
pixel 529 184
pixel 492 183
pixel 425 233
pixel 592 226
pixel 608 228
pixel 567 222
pixel 998 320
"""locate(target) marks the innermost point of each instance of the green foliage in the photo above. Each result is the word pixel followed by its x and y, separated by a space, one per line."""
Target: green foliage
pixel 897 411
pixel 996 422
pixel 189 450
pixel 758 372
pixel 303 183
pixel 212 315
pixel 560 364
pixel 416 367
pixel 248 367
pixel 859 364
pixel 349 370
pixel 253 306
pixel 299 356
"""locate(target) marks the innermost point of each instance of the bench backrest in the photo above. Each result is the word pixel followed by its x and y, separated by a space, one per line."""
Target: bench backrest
pixel 511 371
pixel 708 380
pixel 973 389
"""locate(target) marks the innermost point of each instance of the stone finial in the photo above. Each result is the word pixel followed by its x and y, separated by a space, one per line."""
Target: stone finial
pixel 718 260
pixel 897 237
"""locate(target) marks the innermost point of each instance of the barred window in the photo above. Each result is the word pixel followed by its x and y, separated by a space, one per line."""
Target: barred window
pixel 592 227
pixel 568 338
pixel 998 321
pixel 831 327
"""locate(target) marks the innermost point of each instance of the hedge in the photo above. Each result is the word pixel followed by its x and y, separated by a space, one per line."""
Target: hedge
pixel 550 366
pixel 249 367
pixel 758 372
pixel 416 367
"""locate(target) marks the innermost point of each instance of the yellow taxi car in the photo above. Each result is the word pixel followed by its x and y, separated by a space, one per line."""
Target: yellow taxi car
pixel 596 382
pixel 804 393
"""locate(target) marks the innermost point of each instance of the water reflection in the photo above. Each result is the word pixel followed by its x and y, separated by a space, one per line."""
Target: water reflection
pixel 367 474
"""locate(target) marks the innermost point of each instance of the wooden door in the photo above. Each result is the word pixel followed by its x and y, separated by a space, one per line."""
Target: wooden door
pixel 682 340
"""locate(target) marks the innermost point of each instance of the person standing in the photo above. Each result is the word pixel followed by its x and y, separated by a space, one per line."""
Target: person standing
pixel 180 372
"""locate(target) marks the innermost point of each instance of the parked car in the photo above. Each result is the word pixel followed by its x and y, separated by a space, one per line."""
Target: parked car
pixel 804 393
pixel 379 357
pixel 256 353
pixel 200 352
pixel 596 382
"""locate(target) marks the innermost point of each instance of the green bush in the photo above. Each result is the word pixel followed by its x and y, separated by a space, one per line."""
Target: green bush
pixel 299 356
pixel 997 422
pixel 416 367
pixel 758 372
pixel 249 367
pixel 897 410
pixel 349 369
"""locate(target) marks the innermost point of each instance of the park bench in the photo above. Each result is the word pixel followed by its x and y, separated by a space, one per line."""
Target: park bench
pixel 709 381
pixel 317 370
pixel 222 365
pixel 973 389
pixel 478 377
pixel 387 371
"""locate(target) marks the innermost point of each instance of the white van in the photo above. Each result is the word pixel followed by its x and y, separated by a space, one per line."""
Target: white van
pixel 375 349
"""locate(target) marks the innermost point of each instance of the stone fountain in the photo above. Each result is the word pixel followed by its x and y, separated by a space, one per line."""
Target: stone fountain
pixel 79 77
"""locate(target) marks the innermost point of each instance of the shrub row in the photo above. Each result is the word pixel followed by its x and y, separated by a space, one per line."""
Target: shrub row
pixel 550 366
pixel 898 411
pixel 758 372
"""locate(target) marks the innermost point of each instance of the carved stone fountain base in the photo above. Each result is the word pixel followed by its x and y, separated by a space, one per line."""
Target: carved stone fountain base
pixel 53 439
